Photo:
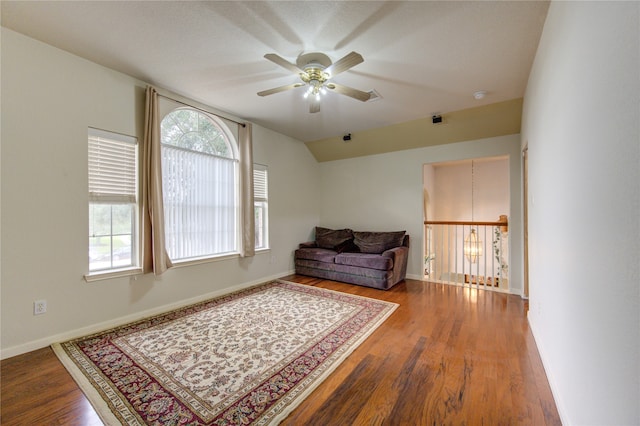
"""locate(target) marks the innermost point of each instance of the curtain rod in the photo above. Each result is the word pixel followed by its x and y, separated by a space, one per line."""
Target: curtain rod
pixel 203 110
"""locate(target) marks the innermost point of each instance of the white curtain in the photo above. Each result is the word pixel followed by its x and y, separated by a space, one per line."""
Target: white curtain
pixel 156 258
pixel 245 145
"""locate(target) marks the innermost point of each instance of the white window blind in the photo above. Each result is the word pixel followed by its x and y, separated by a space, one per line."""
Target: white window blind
pixel 200 212
pixel 199 186
pixel 261 205
pixel 112 167
pixel 260 182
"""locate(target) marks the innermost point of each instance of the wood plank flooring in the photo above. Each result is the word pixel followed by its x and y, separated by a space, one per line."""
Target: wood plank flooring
pixel 446 356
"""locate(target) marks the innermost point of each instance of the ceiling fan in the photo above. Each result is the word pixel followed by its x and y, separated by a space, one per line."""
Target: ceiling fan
pixel 315 70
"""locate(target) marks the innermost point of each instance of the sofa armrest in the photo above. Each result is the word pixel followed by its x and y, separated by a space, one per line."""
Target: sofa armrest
pixel 396 252
pixel 400 256
pixel 308 244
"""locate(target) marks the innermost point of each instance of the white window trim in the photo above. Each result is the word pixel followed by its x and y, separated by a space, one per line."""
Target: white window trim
pixel 205 259
pixel 136 269
pixel 112 273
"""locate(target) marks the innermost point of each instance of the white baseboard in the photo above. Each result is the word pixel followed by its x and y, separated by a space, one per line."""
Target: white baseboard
pixel 415 277
pixel 83 331
pixel 554 390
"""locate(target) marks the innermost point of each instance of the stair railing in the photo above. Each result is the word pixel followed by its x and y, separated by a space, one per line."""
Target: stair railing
pixel 454 256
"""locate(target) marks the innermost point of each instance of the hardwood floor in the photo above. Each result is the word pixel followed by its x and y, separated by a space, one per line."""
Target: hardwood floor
pixel 446 356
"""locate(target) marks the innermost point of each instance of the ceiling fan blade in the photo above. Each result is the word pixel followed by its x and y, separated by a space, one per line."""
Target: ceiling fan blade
pixel 279 89
pixel 279 60
pixel 350 60
pixel 349 91
pixel 314 106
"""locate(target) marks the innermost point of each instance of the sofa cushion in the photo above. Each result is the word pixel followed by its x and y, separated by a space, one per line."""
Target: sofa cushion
pixel 377 242
pixel 363 260
pixel 316 253
pixel 331 238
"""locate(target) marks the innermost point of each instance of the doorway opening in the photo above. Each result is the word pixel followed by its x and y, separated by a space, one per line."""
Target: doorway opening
pixel 466 232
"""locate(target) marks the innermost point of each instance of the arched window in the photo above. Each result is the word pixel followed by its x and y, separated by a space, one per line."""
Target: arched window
pixel 199 185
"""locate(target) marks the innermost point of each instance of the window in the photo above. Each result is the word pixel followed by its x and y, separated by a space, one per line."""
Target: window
pixel 199 185
pixel 260 203
pixel 113 205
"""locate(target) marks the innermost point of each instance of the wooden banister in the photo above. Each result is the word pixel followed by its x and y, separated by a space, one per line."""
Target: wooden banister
pixel 462 222
pixel 503 223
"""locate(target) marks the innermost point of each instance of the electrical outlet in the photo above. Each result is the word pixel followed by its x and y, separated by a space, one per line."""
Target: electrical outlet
pixel 39 307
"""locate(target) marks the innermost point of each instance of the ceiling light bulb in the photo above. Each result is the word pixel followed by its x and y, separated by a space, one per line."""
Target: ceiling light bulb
pixel 323 90
pixel 306 94
pixel 317 96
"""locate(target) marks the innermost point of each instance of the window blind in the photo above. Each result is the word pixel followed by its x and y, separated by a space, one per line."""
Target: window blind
pixel 112 167
pixel 260 182
pixel 200 213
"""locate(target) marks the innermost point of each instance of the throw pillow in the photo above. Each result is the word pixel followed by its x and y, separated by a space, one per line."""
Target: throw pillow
pixel 377 242
pixel 330 238
pixel 347 247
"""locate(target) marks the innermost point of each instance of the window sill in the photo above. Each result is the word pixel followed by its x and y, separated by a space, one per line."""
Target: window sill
pixel 114 273
pixel 201 260
pixel 127 272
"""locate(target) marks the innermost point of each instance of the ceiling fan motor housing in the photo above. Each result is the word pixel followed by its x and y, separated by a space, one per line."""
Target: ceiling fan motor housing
pixel 316 59
pixel 314 74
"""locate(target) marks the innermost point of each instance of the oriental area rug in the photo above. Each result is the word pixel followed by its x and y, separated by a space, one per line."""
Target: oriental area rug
pixel 249 357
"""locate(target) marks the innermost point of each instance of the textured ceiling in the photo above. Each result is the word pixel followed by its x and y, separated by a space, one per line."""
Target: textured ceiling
pixel 422 57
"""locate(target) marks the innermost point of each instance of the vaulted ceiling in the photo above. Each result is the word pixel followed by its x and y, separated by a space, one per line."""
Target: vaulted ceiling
pixel 422 57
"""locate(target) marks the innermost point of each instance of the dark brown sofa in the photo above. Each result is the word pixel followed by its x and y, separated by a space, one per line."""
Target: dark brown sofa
pixel 372 259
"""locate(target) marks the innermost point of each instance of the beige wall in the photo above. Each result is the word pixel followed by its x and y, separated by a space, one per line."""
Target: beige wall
pixel 497 119
pixel 49 98
pixel 452 193
pixel 582 124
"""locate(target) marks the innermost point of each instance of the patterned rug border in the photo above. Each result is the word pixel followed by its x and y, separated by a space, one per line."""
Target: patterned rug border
pixel 278 413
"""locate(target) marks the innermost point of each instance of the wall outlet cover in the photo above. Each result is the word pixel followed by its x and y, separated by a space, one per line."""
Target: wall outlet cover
pixel 39 307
